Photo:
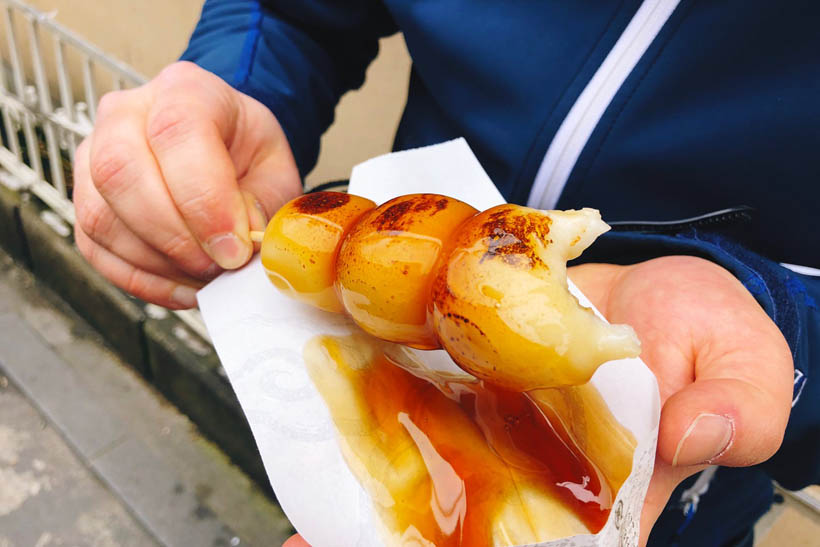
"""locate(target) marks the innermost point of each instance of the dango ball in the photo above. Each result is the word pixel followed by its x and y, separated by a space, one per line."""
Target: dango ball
pixel 301 242
pixel 387 263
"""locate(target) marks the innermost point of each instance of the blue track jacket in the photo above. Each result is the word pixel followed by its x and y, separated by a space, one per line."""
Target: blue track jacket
pixel 722 110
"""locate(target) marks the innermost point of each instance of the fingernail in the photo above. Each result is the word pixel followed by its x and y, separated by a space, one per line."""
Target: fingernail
pixel 262 212
pixel 708 437
pixel 228 250
pixel 257 216
pixel 184 296
pixel 262 216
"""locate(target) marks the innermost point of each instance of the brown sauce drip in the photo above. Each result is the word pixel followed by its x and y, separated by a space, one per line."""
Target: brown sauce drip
pixel 453 454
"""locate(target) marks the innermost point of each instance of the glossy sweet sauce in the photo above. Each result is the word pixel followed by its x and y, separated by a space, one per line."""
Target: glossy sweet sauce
pixel 453 461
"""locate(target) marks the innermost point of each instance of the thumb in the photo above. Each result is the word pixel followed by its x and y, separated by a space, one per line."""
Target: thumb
pixel 267 185
pixel 267 173
pixel 265 190
pixel 734 411
pixel 721 420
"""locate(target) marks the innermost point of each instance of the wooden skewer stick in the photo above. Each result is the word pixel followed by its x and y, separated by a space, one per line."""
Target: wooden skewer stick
pixel 257 236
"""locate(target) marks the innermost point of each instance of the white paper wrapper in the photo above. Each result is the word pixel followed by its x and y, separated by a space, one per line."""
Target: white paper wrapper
pixel 259 335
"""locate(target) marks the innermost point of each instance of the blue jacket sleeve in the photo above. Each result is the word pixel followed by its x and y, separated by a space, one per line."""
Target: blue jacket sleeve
pixel 790 299
pixel 297 58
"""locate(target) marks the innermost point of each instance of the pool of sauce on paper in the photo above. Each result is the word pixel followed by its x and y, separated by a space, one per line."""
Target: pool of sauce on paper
pixel 447 460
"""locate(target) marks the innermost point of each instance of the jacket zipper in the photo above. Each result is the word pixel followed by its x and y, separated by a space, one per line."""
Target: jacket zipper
pixel 583 117
pixel 732 216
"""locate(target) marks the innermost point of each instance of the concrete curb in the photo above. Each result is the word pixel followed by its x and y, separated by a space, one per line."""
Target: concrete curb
pixel 56 262
pixel 188 372
pixel 155 343
pixel 11 230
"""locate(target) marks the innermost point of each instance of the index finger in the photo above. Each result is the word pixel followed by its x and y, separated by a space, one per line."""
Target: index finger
pixel 187 134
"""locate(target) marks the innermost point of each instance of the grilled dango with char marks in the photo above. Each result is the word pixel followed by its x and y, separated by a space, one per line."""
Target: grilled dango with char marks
pixel 430 272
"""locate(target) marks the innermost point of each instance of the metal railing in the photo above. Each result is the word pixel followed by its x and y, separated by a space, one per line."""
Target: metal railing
pixel 41 122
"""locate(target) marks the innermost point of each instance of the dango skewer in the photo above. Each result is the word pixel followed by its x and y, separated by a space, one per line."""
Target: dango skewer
pixel 430 271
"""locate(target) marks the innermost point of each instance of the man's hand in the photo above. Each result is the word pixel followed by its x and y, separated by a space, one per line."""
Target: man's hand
pixel 724 369
pixel 173 178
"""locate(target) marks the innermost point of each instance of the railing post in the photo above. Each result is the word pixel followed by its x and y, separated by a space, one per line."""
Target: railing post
pixel 44 95
pixel 66 94
pixel 8 122
pixel 90 88
pixel 32 146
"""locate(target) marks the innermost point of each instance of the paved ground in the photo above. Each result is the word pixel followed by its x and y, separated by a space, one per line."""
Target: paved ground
pixel 45 483
pixel 91 455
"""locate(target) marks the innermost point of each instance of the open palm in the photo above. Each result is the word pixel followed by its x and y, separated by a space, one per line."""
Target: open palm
pixel 724 369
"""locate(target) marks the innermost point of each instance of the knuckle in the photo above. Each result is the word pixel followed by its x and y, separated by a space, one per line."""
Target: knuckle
pixel 178 248
pixel 188 98
pixel 186 254
pixel 169 123
pixel 109 102
pixel 135 283
pixel 189 80
pixel 110 167
pixel 95 220
pixel 202 203
pixel 206 209
pixel 178 72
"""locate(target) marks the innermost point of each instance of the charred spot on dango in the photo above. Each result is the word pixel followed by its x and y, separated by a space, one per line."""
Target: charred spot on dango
pixel 401 213
pixel 393 217
pixel 387 263
pixel 510 236
pixel 317 203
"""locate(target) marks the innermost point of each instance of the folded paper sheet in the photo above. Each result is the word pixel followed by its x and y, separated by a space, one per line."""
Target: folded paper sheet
pixel 259 335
